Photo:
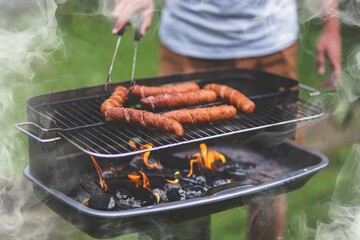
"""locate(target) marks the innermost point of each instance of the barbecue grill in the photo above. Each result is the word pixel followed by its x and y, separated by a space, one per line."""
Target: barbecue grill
pixel 65 128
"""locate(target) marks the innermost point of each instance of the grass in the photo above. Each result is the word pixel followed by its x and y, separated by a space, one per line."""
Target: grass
pixel 84 61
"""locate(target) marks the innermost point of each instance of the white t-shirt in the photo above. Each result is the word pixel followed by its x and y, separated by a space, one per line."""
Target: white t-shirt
pixel 227 29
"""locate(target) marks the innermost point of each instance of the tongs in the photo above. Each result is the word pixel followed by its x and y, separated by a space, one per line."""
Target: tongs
pixel 136 39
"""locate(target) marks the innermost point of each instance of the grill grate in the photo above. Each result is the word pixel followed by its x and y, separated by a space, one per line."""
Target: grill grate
pixel 112 140
pixel 80 113
pixel 77 116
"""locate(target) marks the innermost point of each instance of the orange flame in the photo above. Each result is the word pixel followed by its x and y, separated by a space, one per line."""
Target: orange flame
pixel 146 155
pixel 176 180
pixel 132 145
pixel 99 171
pixel 196 158
pixel 206 158
pixel 135 178
pixel 145 183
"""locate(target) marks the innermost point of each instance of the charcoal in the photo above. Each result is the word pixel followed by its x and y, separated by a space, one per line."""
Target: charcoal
pixel 196 191
pixel 221 181
pixel 175 194
pixel 147 197
pixel 125 200
pixel 192 181
pixel 161 193
pixel 168 186
pixel 102 201
pixel 236 173
pixel 201 179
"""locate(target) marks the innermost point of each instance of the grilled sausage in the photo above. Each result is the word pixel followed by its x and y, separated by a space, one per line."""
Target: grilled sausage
pixel 233 96
pixel 171 100
pixel 202 115
pixel 141 91
pixel 143 119
pixel 117 99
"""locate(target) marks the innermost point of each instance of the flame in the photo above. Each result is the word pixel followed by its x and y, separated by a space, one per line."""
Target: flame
pixel 99 171
pixel 206 158
pixel 176 180
pixel 132 145
pixel 135 178
pixel 145 183
pixel 196 158
pixel 146 155
pixel 210 156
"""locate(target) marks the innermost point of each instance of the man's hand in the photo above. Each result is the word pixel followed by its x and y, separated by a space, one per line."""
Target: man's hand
pixel 124 10
pixel 328 47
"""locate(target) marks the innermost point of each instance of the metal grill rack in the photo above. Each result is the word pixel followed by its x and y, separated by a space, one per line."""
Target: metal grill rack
pixel 112 140
pixel 77 118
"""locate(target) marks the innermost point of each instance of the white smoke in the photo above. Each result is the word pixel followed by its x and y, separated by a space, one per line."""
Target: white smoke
pixel 341 106
pixel 344 207
pixel 28 34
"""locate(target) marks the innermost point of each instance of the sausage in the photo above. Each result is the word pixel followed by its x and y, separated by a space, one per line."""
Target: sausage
pixel 202 115
pixel 141 91
pixel 143 119
pixel 171 100
pixel 117 99
pixel 233 96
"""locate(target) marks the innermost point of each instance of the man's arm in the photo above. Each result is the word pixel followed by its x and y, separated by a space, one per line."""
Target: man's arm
pixel 328 45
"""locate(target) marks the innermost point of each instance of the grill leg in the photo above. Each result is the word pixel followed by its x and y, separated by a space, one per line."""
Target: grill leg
pixel 198 228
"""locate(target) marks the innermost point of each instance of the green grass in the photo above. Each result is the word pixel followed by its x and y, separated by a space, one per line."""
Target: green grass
pixel 85 59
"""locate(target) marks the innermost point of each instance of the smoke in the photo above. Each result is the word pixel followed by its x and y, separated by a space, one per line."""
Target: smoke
pixel 344 208
pixel 28 35
pixel 343 126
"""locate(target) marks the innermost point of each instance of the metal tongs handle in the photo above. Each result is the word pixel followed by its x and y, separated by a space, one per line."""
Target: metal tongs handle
pixel 312 91
pixel 137 38
pixel 108 79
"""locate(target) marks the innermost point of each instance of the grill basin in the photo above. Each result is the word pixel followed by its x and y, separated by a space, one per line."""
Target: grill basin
pixel 301 163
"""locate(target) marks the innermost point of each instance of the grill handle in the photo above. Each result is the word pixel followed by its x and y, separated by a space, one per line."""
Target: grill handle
pixel 312 91
pixel 20 127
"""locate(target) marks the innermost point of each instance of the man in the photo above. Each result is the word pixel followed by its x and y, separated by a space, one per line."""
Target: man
pixel 261 34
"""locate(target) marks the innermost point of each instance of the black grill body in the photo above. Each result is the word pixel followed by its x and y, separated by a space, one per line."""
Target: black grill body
pixel 66 127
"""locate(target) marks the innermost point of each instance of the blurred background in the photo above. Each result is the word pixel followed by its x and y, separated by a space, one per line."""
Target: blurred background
pixel 80 56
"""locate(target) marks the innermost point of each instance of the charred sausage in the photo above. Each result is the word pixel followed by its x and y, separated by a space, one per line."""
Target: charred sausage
pixel 117 99
pixel 141 91
pixel 202 115
pixel 143 119
pixel 171 100
pixel 233 96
